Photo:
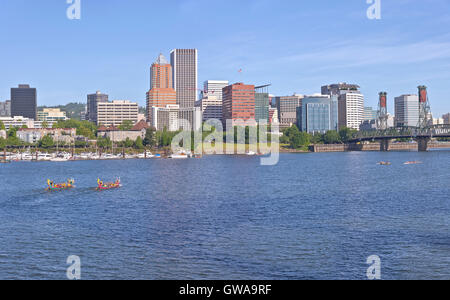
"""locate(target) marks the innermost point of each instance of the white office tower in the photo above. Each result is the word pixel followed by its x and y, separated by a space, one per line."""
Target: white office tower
pixel 407 111
pixel 351 109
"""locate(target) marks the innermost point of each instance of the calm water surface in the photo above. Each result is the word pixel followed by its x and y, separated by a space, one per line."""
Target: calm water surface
pixel 313 216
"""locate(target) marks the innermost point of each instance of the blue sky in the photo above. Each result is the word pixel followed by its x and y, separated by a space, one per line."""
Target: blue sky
pixel 296 45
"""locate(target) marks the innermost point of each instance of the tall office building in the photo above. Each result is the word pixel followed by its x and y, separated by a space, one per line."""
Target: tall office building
pixel 168 118
pixel 262 103
pixel 214 88
pixel 185 76
pixel 117 111
pixel 351 103
pixel 161 91
pixel 211 99
pixel 211 107
pixel 5 109
pixel 24 102
pixel 407 111
pixel 238 103
pixel 370 114
pixel 351 110
pixel 318 114
pixel 92 101
pixel 287 109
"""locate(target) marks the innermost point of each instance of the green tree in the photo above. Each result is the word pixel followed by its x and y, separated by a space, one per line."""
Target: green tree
pixel 128 143
pixel 346 134
pixel 46 142
pixel 332 137
pixel 149 139
pixel 2 126
pixel 126 125
pixel 104 142
pixel 299 140
pixel 45 124
pixel 2 143
pixel 139 143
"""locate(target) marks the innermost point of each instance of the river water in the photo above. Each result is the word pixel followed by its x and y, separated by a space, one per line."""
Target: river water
pixel 312 216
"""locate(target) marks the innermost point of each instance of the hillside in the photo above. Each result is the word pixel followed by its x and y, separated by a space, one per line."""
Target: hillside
pixel 73 110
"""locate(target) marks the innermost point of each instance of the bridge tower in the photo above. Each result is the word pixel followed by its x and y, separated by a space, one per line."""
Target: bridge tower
pixel 424 107
pixel 382 119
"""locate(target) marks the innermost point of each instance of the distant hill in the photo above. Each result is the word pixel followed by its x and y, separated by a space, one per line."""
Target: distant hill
pixel 73 110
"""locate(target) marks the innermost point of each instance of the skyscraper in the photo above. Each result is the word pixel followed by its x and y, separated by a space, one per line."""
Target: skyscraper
pixel 351 103
pixel 407 111
pixel 238 103
pixel 287 109
pixel 318 114
pixel 161 91
pixel 214 88
pixel 24 102
pixel 262 103
pixel 185 76
pixel 92 101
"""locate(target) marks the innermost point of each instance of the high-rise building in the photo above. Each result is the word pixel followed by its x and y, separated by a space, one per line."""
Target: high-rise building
pixel 211 99
pixel 407 111
pixel 318 114
pixel 370 114
pixel 287 109
pixel 161 91
pixel 351 110
pixel 238 103
pixel 169 118
pixel 5 109
pixel 214 88
pixel 185 76
pixel 115 112
pixel 262 103
pixel 446 118
pixel 351 103
pixel 211 107
pixel 24 102
pixel 92 101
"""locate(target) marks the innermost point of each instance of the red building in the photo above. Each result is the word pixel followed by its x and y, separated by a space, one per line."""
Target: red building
pixel 238 103
pixel 161 93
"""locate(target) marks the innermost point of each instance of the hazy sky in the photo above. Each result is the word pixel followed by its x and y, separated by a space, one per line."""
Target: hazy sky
pixel 296 45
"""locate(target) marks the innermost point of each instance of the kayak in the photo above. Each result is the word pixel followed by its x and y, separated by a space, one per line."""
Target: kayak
pixel 108 185
pixel 60 186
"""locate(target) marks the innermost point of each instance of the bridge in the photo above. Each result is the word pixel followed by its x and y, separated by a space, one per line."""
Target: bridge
pixel 421 135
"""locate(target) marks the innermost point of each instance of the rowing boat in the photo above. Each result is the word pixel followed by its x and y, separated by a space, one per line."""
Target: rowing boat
pixel 108 185
pixel 60 186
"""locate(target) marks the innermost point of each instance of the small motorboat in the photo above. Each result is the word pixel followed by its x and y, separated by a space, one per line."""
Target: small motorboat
pixel 384 163
pixel 60 186
pixel 108 185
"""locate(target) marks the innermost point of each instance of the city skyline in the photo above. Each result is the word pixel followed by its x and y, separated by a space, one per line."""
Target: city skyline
pixel 378 55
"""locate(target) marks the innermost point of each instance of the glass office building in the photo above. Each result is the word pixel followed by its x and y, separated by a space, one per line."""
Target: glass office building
pixel 318 114
pixel 262 103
